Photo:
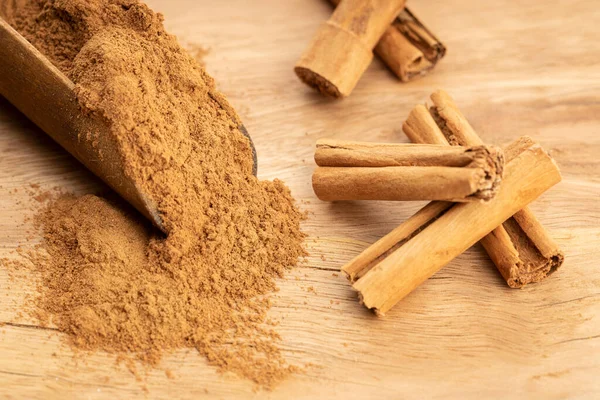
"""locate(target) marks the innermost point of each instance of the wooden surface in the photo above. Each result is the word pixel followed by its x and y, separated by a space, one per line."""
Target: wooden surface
pixel 514 68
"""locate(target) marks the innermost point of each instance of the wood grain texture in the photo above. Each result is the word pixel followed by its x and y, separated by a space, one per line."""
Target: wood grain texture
pixel 514 68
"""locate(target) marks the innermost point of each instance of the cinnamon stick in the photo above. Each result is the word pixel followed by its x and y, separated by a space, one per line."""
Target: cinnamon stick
pixel 399 262
pixel 521 248
pixel 407 47
pixel 399 171
pixel 342 48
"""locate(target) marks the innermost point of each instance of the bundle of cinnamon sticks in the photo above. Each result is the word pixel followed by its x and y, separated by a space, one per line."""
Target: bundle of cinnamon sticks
pixel 342 49
pixel 394 171
pixel 486 192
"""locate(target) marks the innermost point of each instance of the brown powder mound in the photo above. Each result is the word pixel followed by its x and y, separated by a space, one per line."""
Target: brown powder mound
pixel 104 282
pixel 112 282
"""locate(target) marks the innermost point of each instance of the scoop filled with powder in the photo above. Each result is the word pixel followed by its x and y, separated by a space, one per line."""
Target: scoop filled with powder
pixel 110 281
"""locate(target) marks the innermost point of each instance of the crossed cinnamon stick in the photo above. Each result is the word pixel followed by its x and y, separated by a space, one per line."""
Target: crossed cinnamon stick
pixel 517 243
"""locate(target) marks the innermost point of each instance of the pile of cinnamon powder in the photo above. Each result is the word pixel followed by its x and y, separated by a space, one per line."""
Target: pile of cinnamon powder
pixel 109 279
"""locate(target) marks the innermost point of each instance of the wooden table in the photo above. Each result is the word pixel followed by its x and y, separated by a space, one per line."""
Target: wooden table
pixel 514 68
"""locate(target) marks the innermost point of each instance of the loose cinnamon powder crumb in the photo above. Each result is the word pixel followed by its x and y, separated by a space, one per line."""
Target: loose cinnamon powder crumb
pixel 198 52
pixel 112 282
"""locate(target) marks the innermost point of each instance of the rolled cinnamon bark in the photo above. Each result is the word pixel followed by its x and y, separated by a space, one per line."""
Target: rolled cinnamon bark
pixel 402 260
pixel 342 48
pixel 408 64
pixel 521 248
pixel 407 47
pixel 399 171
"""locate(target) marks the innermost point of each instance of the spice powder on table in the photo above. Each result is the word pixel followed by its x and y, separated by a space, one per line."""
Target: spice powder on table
pixel 111 281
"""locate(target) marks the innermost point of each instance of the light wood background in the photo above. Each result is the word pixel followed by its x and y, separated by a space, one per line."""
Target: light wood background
pixel 513 67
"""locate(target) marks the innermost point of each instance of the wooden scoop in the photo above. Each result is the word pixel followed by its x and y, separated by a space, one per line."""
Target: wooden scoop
pixel 46 96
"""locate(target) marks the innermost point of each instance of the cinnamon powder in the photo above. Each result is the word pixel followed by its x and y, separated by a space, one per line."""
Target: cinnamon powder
pixel 109 279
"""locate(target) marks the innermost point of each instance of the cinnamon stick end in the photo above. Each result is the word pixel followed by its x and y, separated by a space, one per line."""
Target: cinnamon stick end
pixel 403 58
pixel 409 48
pixel 317 82
pixel 351 276
pixel 334 61
pixel 521 277
pixel 490 160
pixel 375 310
